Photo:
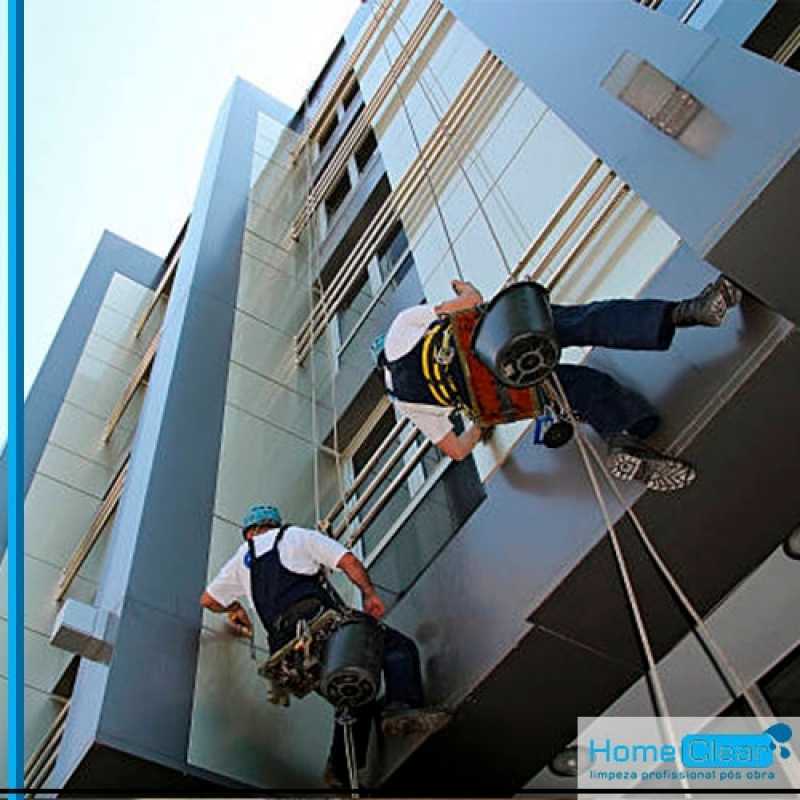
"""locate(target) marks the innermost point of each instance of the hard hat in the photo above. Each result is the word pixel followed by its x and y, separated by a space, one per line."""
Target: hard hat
pixel 376 348
pixel 261 515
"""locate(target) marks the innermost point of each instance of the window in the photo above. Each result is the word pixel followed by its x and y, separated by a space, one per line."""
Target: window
pixel 325 134
pixel 355 303
pixel 391 251
pixel 365 151
pixel 350 95
pixel 337 195
pixel 365 444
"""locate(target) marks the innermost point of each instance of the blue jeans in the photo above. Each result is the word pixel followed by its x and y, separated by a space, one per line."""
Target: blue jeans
pixel 402 678
pixel 595 396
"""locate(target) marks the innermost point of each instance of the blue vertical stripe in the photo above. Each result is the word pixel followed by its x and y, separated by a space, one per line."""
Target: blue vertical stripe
pixel 15 398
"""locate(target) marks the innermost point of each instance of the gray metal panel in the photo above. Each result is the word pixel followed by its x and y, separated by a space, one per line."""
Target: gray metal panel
pixel 757 101
pixel 113 254
pixel 761 250
pixel 157 562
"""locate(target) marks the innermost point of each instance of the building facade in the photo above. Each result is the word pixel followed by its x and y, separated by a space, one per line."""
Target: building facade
pixel 441 140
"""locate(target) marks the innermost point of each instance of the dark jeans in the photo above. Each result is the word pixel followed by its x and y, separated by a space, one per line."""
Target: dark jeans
pixel 402 678
pixel 595 396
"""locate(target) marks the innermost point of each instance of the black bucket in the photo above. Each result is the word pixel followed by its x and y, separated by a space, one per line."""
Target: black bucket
pixel 351 666
pixel 516 338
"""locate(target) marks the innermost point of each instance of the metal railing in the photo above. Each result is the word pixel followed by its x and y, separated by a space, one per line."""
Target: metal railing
pixel 43 759
pixel 486 72
pixel 360 128
pixel 345 80
pixel 167 279
pixel 137 379
pixel 91 537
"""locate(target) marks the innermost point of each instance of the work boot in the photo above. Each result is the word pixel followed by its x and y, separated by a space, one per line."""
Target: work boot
pixel 403 721
pixel 630 459
pixel 709 307
pixel 331 779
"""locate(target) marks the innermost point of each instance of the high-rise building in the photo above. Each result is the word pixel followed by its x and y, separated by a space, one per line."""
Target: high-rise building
pixel 615 149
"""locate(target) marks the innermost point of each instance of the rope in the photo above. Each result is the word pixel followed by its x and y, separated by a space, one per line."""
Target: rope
pixel 653 678
pixel 438 113
pixel 426 169
pixel 346 721
pixel 733 682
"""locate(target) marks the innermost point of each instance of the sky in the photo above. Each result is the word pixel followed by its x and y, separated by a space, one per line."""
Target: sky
pixel 120 100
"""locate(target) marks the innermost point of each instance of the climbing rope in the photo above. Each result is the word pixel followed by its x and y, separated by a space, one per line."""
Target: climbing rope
pixel 428 178
pixel 731 679
pixel 438 113
pixel 654 682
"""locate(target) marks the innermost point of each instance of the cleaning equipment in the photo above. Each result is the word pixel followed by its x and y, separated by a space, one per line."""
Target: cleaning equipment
pixel 351 670
pixel 515 337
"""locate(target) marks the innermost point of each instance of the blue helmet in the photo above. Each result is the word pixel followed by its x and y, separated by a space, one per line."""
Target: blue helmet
pixel 376 348
pixel 261 515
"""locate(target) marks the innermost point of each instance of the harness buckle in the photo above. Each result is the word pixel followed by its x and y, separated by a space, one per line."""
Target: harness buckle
pixel 444 355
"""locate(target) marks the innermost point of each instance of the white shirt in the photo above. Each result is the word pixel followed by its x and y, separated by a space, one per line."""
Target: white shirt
pixel 408 328
pixel 301 550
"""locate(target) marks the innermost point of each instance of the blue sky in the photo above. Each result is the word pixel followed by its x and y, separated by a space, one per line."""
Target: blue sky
pixel 120 98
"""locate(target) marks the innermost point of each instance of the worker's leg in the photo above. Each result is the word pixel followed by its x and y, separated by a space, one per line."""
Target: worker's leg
pixel 642 324
pixel 623 418
pixel 622 324
pixel 401 670
pixel 403 712
pixel 605 404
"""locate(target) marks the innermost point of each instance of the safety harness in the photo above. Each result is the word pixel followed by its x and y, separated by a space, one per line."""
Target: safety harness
pixel 430 372
pixel 281 596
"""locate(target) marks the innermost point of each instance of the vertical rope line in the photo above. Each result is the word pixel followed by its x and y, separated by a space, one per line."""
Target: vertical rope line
pixel 428 178
pixel 438 113
pixel 731 679
pixel 653 677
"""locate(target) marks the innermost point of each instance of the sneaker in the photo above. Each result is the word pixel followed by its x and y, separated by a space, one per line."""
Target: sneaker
pixel 404 721
pixel 630 459
pixel 710 306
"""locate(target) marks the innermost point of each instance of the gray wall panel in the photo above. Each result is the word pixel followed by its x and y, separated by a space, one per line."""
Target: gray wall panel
pixel 157 563
pixel 113 254
pixel 757 101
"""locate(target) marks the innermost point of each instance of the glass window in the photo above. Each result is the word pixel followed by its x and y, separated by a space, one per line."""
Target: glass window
pixel 350 95
pixel 365 151
pixel 390 252
pixel 325 134
pixel 354 305
pixel 337 195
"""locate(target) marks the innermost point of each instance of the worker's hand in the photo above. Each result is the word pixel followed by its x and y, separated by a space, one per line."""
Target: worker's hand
pixel 487 433
pixel 464 287
pixel 373 605
pixel 239 620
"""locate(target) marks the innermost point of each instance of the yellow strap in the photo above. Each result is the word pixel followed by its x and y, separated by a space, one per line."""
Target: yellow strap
pixel 431 380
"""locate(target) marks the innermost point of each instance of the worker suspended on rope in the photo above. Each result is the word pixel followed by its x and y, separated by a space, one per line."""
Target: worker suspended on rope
pixel 427 384
pixel 278 571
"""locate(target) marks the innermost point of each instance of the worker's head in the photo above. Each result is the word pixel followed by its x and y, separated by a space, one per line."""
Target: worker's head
pixel 260 517
pixel 376 348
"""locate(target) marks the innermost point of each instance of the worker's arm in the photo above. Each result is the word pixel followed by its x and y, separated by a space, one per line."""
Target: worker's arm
pixel 355 571
pixel 458 447
pixel 238 618
pixel 468 297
